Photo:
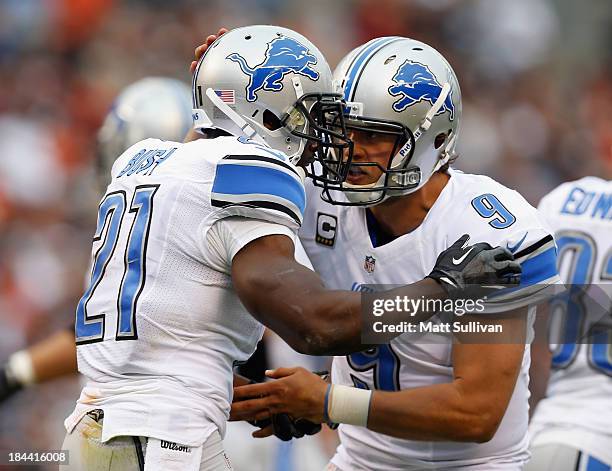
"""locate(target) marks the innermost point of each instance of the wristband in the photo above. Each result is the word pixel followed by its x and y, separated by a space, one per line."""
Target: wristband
pixel 347 405
pixel 20 368
pixel 326 404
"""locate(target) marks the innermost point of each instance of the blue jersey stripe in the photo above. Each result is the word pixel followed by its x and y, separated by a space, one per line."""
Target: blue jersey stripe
pixel 235 179
pixel 360 60
pixel 539 268
pixel 595 465
pixel 535 270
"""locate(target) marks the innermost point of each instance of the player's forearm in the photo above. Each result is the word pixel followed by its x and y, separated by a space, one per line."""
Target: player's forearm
pixel 337 316
pixel 333 323
pixel 316 321
pixel 440 412
pixel 49 359
pixel 293 301
pixel 54 357
pixel 313 321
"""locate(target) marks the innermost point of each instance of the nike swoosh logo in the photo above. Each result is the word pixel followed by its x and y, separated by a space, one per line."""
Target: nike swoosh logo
pixel 448 281
pixel 457 261
pixel 515 247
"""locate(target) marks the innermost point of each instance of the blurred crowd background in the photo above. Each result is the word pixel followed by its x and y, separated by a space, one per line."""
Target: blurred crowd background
pixel 537 95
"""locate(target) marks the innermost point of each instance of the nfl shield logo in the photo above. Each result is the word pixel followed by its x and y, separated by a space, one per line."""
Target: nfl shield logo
pixel 369 264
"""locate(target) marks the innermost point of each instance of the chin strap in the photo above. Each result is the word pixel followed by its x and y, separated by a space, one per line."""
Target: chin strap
pixel 297 87
pixel 426 123
pixel 437 106
pixel 245 127
pixel 447 153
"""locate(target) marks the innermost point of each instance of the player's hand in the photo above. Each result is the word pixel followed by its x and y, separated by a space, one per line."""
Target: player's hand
pixel 477 268
pixel 281 425
pixel 296 392
pixel 8 385
pixel 201 49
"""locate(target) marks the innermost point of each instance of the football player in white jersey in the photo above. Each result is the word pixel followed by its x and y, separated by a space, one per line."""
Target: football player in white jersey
pixel 151 107
pixel 189 235
pixel 571 425
pixel 409 405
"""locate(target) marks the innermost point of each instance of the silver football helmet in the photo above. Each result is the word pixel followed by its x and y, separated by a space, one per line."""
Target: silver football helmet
pixel 152 107
pixel 271 85
pixel 394 86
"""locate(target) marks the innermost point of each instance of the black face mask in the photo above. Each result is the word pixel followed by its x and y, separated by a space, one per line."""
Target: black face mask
pixel 318 118
pixel 330 172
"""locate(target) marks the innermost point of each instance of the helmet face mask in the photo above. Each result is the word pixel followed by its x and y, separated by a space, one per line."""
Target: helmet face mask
pixel 392 86
pixel 263 83
pixel 334 175
pixel 319 120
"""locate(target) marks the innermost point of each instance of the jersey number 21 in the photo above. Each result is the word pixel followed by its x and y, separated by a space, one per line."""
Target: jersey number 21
pixel 112 214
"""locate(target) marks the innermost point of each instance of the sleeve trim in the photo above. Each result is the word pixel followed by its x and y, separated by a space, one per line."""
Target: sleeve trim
pixel 533 247
pixel 219 203
pixel 260 158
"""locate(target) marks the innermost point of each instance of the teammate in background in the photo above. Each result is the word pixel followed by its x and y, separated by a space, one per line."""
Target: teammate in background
pixel 151 107
pixel 394 206
pixel 571 425
pixel 190 234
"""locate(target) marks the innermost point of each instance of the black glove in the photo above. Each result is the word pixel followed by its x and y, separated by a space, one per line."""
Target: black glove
pixel 285 428
pixel 475 270
pixel 8 384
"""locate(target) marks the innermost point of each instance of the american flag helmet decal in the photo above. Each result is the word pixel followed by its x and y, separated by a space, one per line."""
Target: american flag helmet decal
pixel 227 96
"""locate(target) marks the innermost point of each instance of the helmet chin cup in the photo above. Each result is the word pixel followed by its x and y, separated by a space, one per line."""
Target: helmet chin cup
pixel 410 178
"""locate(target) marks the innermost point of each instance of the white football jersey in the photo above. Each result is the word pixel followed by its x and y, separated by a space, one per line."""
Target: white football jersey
pixel 159 327
pixel 339 245
pixel 578 401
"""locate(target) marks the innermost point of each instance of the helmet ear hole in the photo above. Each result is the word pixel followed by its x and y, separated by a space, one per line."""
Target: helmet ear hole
pixel 271 121
pixel 439 140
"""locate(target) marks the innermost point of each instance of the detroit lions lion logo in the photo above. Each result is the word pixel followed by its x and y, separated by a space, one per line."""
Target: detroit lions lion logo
pixel 415 83
pixel 284 55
